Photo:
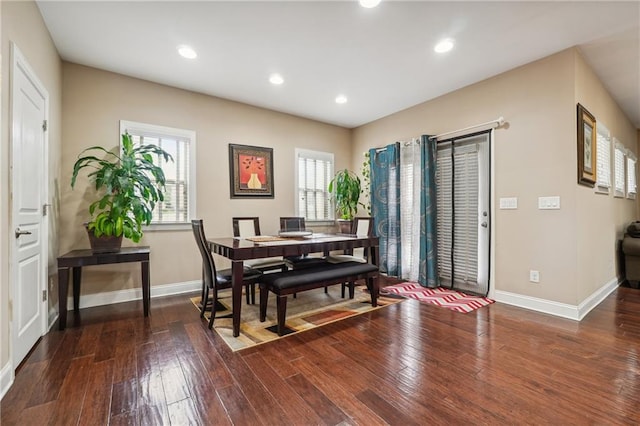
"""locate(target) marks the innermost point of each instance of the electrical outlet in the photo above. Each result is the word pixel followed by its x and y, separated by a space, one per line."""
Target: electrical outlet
pixel 534 276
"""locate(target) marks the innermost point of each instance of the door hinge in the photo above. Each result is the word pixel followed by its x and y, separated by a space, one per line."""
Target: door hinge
pixel 44 125
pixel 45 209
pixel 44 295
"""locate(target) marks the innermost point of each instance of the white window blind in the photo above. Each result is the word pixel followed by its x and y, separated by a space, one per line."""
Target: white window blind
pixel 314 172
pixel 619 177
pixel 178 206
pixel 631 175
pixel 457 220
pixel 603 160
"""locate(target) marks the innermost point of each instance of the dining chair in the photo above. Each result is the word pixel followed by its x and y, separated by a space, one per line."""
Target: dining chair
pixel 361 227
pixel 303 261
pixel 246 227
pixel 214 280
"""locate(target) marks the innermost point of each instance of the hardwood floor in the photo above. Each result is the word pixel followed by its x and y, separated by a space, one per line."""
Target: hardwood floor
pixel 405 364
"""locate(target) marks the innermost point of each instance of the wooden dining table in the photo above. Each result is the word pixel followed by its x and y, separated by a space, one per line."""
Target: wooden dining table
pixel 238 250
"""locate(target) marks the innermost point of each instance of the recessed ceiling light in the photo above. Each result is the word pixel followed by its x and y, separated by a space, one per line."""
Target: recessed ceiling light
pixel 444 46
pixel 187 52
pixel 369 3
pixel 276 79
pixel 341 99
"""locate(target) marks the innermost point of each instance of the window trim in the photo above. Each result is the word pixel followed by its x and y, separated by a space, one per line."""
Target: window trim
pixel 321 155
pixel 135 127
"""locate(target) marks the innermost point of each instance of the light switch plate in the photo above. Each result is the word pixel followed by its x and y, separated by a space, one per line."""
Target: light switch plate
pixel 508 203
pixel 549 203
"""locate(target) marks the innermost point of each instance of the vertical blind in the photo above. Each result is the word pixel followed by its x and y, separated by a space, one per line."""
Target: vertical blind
pixel 410 213
pixel 315 171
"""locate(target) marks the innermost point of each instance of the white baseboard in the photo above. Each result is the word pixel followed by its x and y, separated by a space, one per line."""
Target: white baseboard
pixel 6 378
pixel 111 297
pixel 558 309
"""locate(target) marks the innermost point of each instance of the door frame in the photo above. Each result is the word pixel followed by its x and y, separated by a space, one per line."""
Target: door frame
pixel 20 64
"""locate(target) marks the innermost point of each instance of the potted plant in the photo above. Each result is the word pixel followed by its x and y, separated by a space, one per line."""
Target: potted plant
pixel 130 184
pixel 345 187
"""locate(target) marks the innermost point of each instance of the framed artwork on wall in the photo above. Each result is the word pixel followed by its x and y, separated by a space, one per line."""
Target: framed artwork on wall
pixel 250 171
pixel 586 147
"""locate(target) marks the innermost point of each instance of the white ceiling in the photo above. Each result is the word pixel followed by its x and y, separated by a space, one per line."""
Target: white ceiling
pixel 382 59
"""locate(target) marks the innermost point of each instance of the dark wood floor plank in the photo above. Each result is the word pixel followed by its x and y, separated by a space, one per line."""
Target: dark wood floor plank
pixel 49 384
pixel 290 401
pixel 67 410
pixel 319 402
pixel 238 407
pixel 403 364
pixel 96 406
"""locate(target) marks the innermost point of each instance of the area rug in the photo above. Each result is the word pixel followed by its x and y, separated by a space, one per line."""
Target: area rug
pixel 308 310
pixel 450 299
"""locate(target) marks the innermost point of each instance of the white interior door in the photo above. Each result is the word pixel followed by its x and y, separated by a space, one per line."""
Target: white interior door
pixel 28 225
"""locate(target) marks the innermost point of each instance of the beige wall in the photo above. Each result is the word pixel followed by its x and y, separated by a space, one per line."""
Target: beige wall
pixel 535 155
pixel 23 25
pixel 601 218
pixel 95 101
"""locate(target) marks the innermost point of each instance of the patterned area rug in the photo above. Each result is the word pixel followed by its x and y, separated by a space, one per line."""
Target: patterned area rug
pixel 308 310
pixel 451 299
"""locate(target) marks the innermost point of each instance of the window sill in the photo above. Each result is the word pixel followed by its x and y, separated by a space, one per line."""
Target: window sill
pixel 162 227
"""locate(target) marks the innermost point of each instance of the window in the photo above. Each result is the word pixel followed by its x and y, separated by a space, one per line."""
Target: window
pixel 314 171
pixel 603 160
pixel 619 180
pixel 631 175
pixel 178 206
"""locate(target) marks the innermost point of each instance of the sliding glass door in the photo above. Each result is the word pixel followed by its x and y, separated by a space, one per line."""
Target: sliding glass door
pixel 463 197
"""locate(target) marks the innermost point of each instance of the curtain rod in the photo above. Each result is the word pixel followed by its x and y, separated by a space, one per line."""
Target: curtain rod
pixel 494 123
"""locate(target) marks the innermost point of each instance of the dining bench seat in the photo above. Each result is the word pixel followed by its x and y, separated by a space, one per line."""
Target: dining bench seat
pixel 298 280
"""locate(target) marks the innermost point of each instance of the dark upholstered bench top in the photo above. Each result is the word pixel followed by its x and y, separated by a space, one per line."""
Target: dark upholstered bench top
pixel 328 272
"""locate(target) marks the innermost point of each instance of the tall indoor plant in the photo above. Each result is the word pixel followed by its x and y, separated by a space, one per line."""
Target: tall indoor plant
pixel 345 188
pixel 129 183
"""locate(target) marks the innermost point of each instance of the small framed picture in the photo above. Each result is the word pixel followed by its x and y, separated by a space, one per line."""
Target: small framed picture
pixel 250 171
pixel 586 147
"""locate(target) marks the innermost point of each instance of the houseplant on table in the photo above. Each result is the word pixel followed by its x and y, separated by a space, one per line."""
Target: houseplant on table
pixel 129 185
pixel 345 187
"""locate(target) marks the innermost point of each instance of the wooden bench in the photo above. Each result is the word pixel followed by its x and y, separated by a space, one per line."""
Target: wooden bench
pixel 283 284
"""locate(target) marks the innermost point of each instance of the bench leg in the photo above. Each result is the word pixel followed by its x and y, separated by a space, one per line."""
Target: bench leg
pixel 352 289
pixel 372 285
pixel 264 298
pixel 281 304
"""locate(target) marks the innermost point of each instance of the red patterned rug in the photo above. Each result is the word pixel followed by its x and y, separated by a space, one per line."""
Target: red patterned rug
pixel 450 299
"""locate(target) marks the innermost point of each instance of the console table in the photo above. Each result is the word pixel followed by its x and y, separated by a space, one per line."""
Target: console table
pixel 77 259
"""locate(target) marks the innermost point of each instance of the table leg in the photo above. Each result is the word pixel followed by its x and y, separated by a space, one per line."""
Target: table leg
pixel 77 278
pixel 236 282
pixel 146 287
pixel 63 284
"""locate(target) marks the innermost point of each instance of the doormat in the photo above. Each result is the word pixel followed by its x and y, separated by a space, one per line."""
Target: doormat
pixel 310 309
pixel 450 299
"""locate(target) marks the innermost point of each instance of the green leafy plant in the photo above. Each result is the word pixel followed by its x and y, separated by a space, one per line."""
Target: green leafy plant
pixel 345 187
pixel 130 184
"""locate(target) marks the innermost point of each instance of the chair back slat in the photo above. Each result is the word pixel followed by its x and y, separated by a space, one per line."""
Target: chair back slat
pixel 292 224
pixel 246 226
pixel 208 265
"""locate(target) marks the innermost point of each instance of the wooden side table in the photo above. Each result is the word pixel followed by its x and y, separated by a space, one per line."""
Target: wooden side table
pixel 76 259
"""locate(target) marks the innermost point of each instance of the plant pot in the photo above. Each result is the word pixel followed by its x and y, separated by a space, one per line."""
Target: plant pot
pixel 345 226
pixel 104 244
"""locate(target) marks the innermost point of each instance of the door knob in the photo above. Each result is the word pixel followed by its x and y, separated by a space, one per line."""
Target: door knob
pixel 21 232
